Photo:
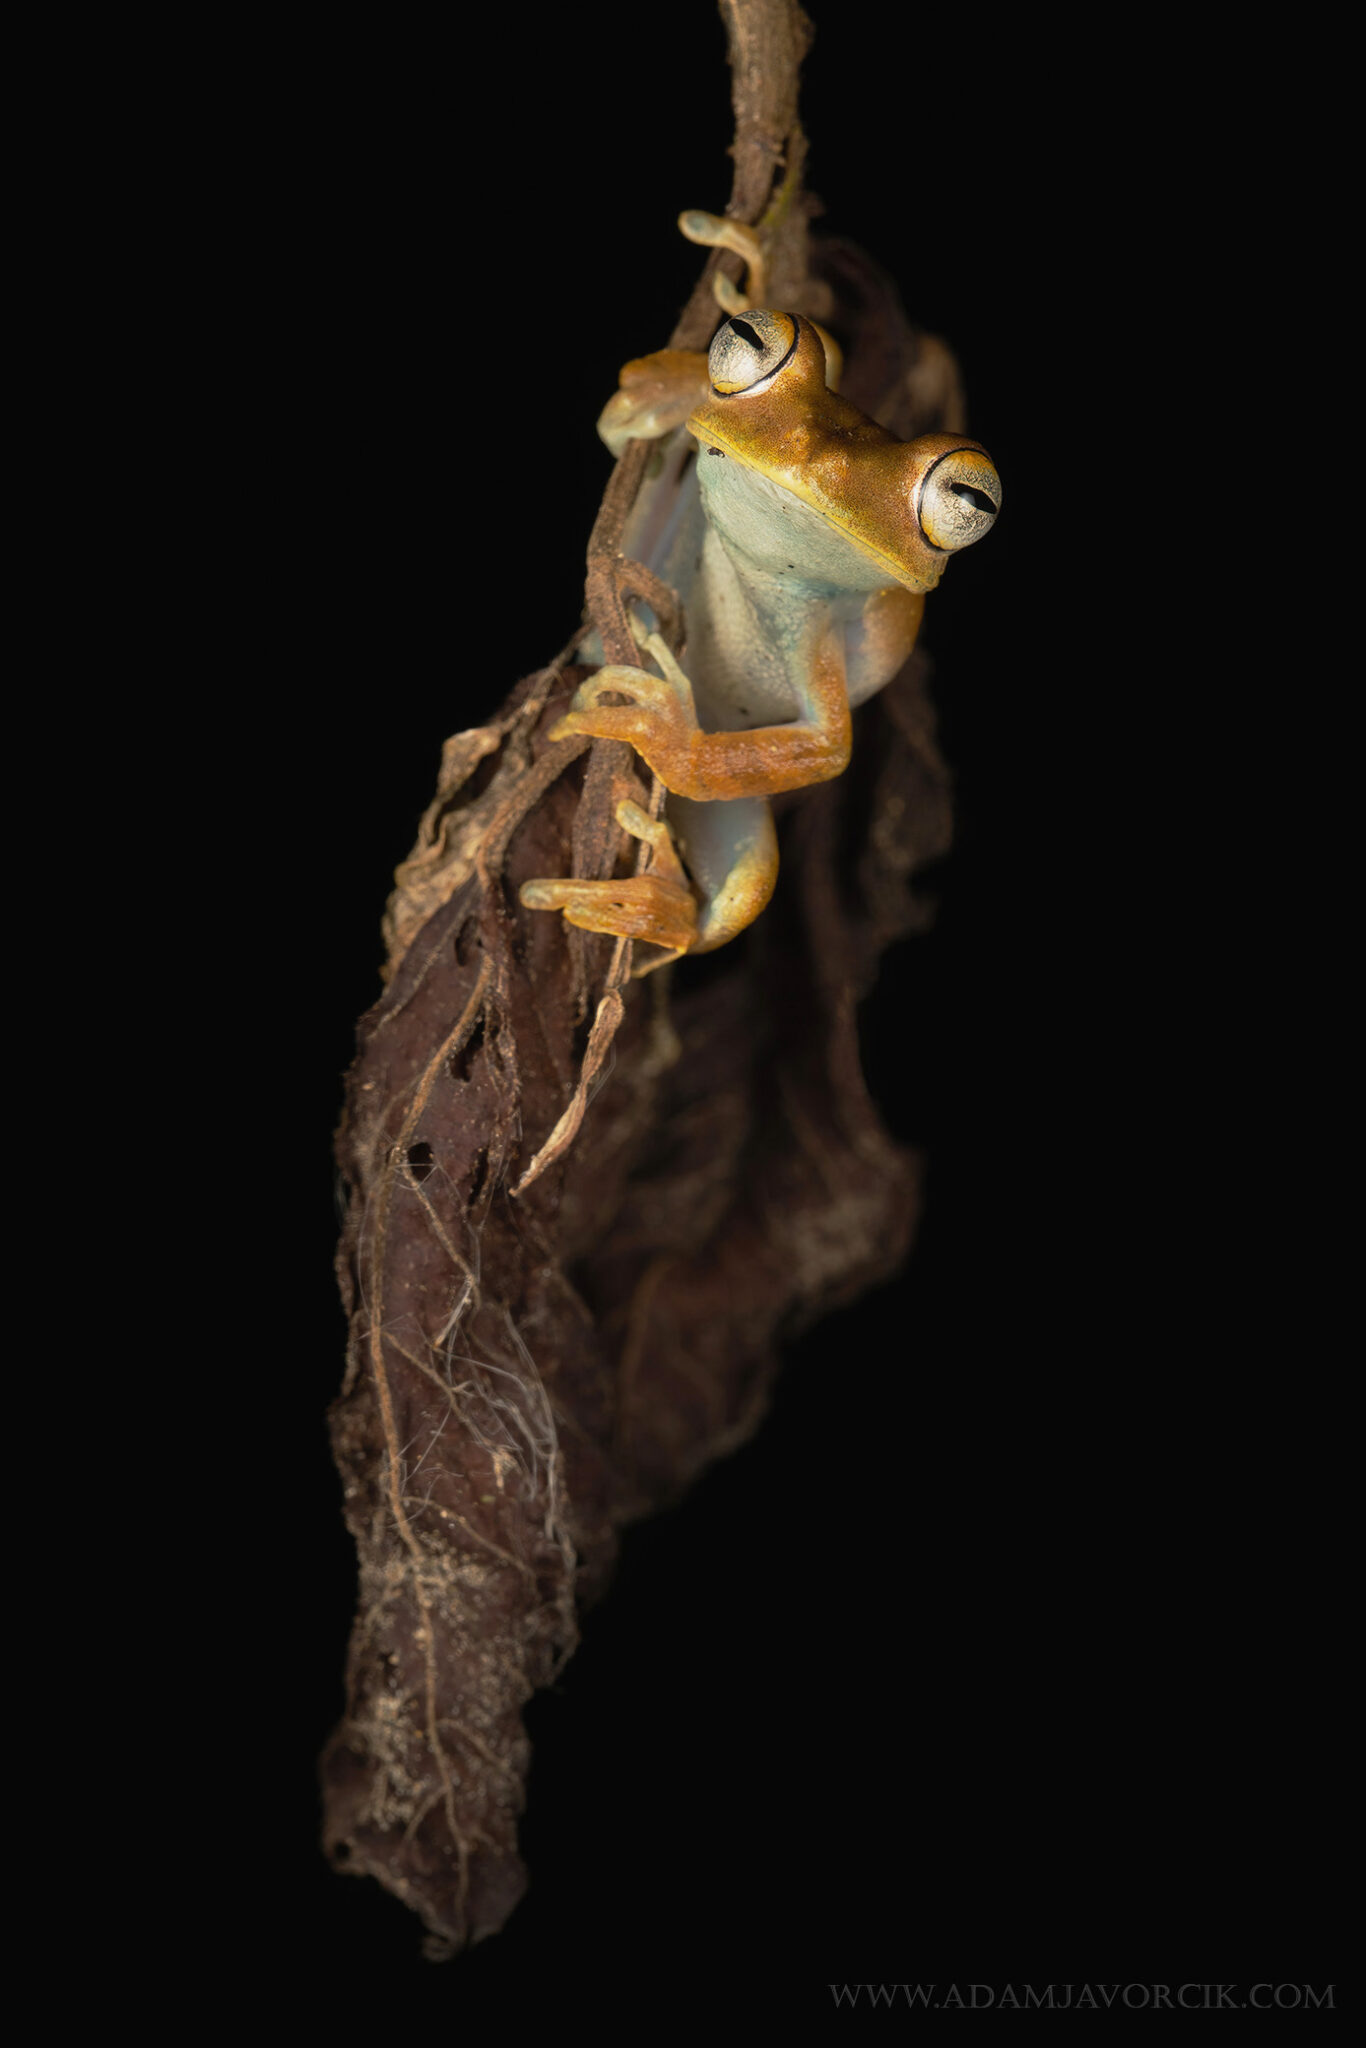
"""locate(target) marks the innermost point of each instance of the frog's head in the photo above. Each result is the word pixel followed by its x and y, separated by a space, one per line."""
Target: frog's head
pixel 905 505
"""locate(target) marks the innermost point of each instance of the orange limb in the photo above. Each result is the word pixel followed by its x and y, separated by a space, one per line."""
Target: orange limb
pixel 656 394
pixel 658 906
pixel 712 767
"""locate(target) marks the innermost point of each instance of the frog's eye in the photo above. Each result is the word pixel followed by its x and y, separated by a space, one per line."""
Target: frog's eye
pixel 959 499
pixel 750 348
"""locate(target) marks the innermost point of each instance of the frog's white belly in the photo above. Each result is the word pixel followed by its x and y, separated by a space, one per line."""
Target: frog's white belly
pixel 762 578
pixel 774 578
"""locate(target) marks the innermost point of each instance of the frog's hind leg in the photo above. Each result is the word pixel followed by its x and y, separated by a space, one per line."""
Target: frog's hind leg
pixel 658 906
pixel 732 853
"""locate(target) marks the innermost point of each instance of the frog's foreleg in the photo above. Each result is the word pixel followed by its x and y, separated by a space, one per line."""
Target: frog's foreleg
pixel 711 767
pixel 732 855
pixel 658 906
pixel 655 395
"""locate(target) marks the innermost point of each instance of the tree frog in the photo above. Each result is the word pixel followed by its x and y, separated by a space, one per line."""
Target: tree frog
pixel 802 539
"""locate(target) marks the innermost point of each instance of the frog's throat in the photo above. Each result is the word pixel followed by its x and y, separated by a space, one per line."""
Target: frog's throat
pixel 795 483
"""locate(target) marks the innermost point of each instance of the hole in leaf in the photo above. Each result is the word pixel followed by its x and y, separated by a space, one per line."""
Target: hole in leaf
pixel 462 1060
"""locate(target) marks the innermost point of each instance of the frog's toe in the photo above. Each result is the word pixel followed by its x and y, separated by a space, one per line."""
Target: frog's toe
pixel 651 907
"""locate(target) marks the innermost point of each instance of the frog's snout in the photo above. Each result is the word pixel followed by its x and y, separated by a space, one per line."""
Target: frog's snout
pixel 960 497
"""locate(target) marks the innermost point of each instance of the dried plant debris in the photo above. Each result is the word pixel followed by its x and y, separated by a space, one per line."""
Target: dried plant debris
pixel 537 1356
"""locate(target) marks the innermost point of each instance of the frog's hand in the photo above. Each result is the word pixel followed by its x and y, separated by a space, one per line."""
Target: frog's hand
pixel 715 232
pixel 711 767
pixel 656 395
pixel 657 906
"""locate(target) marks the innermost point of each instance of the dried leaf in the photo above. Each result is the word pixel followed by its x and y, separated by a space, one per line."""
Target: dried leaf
pixel 584 1211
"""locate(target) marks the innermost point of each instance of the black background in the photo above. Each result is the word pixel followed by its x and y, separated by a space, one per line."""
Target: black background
pixel 1033 1680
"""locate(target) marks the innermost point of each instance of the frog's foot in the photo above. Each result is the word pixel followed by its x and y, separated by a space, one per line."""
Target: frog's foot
pixel 715 233
pixel 660 721
pixel 658 906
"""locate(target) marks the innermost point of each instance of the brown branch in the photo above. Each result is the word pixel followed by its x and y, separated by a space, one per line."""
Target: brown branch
pixel 767 40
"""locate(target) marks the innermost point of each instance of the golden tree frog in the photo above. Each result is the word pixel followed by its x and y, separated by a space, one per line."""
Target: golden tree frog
pixel 802 538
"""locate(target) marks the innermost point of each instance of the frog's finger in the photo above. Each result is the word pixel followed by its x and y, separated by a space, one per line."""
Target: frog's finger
pixel 728 296
pixel 604 722
pixel 713 231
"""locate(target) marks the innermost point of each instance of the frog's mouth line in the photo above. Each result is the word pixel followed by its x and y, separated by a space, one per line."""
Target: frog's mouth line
pixel 908 579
